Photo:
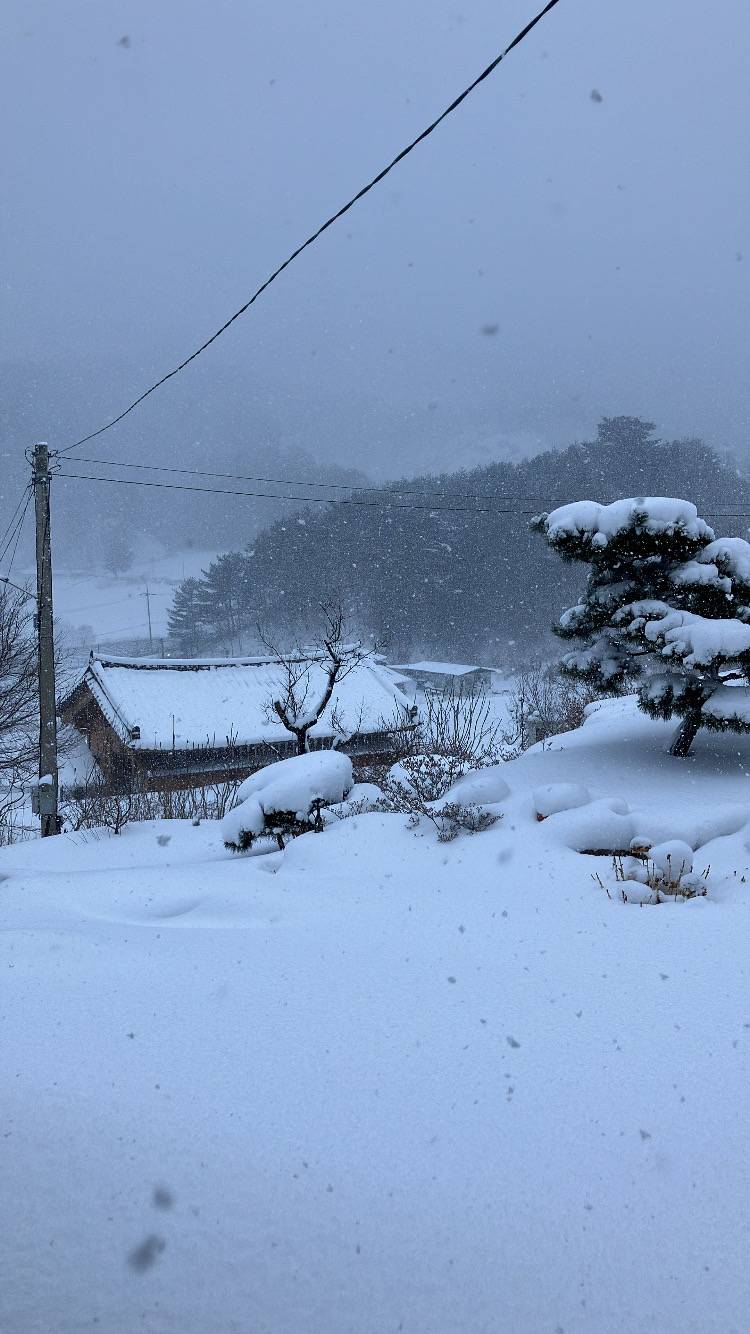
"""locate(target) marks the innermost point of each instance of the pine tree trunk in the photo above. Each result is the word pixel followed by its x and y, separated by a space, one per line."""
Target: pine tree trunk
pixel 685 734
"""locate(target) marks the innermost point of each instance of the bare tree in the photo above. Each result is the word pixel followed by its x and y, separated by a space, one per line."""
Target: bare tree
pixel 542 704
pixel 299 703
pixel 18 703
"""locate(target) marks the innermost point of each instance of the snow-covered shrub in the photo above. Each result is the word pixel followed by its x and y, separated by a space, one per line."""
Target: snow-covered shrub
pixel 443 791
pixel 428 777
pixel 455 724
pixel 285 799
pixel 455 817
pixel 661 874
pixel 665 610
pixel 96 806
pixel 362 798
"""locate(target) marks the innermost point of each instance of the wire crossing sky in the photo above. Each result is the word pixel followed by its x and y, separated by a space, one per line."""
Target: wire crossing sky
pixel 486 72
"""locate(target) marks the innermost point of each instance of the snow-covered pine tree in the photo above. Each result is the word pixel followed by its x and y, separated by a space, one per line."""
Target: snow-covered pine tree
pixel 187 617
pixel 666 610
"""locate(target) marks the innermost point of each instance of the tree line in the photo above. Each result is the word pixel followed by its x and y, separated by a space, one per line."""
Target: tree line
pixel 447 566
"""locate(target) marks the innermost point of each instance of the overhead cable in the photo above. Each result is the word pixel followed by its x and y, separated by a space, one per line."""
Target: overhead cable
pixel 288 481
pixel 305 500
pixel 324 227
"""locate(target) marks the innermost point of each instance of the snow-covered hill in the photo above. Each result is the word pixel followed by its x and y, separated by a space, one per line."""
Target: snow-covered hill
pixel 379 1082
pixel 97 608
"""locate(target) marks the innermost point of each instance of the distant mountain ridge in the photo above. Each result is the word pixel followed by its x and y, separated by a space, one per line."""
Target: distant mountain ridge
pixel 446 566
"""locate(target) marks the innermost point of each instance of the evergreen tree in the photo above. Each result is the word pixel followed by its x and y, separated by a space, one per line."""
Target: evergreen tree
pixel 665 610
pixel 118 549
pixel 187 618
pixel 224 592
pixel 626 432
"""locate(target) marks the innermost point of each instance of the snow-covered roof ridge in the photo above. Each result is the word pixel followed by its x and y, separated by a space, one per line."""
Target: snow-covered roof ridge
pixel 447 668
pixel 200 664
pixel 152 705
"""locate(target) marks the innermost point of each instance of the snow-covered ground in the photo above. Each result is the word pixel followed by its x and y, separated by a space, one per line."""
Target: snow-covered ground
pixel 377 1082
pixel 98 608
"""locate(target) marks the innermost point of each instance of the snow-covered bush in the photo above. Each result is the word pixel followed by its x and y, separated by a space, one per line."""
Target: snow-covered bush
pixel 362 798
pixel 665 610
pixel 661 874
pixel 428 777
pixel 445 792
pixel 96 806
pixel 285 799
pixel 455 725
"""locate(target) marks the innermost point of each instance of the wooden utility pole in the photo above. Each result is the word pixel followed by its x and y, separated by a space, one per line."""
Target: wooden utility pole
pixel 47 791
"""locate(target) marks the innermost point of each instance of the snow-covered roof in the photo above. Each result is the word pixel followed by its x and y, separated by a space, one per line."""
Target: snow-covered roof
pixel 185 703
pixel 441 668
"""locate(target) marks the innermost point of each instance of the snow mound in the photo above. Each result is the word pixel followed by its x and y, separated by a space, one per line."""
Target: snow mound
pixel 363 797
pixel 483 787
pixel 657 514
pixel 552 798
pixel 673 859
pixel 290 785
pixel 293 787
pixel 244 820
pixel 605 825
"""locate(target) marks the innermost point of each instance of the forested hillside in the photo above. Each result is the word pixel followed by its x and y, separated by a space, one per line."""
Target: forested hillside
pixel 446 566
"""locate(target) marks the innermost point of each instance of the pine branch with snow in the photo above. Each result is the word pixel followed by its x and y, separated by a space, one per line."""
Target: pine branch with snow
pixel 665 610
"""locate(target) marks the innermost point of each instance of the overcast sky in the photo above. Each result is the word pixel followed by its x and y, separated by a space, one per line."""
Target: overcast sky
pixel 161 156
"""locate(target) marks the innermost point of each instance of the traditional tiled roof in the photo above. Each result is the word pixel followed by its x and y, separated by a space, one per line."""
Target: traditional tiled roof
pixel 170 704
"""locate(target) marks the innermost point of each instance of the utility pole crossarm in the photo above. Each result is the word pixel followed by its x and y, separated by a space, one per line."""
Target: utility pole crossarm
pixel 47 790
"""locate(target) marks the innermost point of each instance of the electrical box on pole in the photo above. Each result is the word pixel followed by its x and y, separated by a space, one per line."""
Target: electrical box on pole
pixel 47 789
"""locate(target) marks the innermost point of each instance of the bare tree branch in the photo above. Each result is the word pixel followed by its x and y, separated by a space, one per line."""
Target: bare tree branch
pixel 330 652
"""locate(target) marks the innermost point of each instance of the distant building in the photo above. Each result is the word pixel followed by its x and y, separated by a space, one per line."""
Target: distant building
pixel 161 723
pixel 446 675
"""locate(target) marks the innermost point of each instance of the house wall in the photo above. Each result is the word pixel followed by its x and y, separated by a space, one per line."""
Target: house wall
pixel 114 758
pixel 480 678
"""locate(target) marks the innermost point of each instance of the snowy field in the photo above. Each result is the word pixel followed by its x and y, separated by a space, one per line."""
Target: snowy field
pixel 97 608
pixel 379 1083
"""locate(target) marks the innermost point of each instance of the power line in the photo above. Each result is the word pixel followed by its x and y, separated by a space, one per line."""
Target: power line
pixel 19 527
pixel 16 524
pixel 350 500
pixel 17 587
pixel 97 606
pixel 324 227
pixel 288 481
pixel 305 500
pixel 7 538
